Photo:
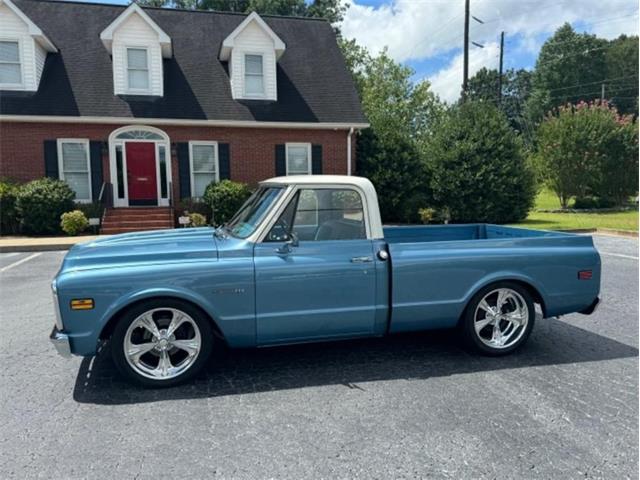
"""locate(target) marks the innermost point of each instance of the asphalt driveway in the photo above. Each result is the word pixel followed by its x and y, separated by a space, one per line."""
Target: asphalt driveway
pixel 565 406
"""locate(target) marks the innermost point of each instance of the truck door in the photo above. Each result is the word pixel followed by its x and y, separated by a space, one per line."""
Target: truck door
pixel 315 270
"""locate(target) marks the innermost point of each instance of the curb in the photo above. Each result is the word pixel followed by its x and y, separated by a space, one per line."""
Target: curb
pixel 604 231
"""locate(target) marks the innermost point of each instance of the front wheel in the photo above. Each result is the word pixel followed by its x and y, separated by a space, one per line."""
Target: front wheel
pixel 161 342
pixel 499 318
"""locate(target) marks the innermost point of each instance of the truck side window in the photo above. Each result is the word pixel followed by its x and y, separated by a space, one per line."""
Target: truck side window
pixel 322 214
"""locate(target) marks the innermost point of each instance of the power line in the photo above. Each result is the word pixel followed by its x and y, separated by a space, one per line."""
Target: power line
pixel 604 80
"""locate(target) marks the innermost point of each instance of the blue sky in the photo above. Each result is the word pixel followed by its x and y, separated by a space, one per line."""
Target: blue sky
pixel 427 34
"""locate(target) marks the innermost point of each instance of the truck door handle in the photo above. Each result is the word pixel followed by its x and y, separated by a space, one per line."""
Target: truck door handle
pixel 361 259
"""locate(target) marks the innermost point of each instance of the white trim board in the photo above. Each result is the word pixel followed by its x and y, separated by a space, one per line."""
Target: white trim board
pixel 182 122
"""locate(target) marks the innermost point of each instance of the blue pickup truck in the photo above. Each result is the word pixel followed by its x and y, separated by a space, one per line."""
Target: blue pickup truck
pixel 307 259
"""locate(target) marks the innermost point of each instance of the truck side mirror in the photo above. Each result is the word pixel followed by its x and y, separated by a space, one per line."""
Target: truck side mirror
pixel 292 242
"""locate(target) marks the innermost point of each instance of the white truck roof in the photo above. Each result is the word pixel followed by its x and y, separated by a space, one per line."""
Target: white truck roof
pixel 371 207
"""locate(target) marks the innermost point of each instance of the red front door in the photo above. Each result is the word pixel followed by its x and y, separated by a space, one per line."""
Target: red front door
pixel 141 173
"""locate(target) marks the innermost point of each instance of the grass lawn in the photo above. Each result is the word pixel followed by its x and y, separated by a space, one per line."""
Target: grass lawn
pixel 566 221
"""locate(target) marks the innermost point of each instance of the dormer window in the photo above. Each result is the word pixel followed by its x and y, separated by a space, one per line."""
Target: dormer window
pixel 137 69
pixel 23 49
pixel 253 76
pixel 137 46
pixel 10 67
pixel 253 50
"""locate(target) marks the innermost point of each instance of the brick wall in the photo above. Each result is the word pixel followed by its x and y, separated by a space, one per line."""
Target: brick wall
pixel 252 150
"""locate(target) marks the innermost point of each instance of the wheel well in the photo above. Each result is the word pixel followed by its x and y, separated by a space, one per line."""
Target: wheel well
pixel 115 318
pixel 535 294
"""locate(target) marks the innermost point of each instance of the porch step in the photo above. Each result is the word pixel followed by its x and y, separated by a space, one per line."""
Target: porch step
pixel 136 219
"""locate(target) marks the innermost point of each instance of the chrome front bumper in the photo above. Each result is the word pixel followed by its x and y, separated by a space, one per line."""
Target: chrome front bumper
pixel 61 342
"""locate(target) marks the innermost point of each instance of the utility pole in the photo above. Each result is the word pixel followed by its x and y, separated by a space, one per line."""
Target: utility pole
pixel 602 93
pixel 465 71
pixel 500 69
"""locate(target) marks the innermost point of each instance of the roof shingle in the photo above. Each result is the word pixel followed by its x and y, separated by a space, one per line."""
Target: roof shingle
pixel 314 84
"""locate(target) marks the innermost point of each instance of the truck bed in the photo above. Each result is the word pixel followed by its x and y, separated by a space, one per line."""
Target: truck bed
pixel 473 231
pixel 435 270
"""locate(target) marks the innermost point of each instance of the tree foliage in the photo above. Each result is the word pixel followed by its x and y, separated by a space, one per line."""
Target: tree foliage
pixel 622 67
pixel 516 88
pixel 573 67
pixel 588 150
pixel 477 168
pixel 331 10
pixel 400 113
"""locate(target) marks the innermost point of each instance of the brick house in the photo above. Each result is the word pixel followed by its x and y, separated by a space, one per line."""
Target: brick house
pixel 143 106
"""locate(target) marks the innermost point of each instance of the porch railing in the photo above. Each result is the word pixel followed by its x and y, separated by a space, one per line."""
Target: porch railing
pixel 106 195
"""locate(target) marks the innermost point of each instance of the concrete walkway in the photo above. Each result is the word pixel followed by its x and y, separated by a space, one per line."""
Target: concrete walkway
pixel 41 244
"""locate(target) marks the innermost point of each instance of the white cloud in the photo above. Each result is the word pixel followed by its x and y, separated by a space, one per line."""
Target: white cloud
pixel 422 29
pixel 448 81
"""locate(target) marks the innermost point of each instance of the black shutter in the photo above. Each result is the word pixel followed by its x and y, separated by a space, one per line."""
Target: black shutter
pixel 224 161
pixel 95 155
pixel 281 161
pixel 316 159
pixel 184 170
pixel 51 159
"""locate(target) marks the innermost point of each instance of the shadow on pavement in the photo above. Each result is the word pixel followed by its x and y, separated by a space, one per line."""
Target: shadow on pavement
pixel 412 356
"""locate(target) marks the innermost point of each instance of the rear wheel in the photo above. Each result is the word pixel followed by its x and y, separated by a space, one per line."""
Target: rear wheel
pixel 499 318
pixel 161 343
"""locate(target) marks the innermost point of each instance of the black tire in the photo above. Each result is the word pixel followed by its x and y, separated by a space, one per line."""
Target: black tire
pixel 472 338
pixel 118 342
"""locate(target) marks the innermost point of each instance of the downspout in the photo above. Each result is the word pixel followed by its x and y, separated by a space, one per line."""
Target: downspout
pixel 349 151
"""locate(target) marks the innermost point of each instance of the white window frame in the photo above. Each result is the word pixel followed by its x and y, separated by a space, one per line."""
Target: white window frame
pixel 298 144
pixel 244 76
pixel 84 141
pixel 137 91
pixel 217 162
pixel 20 85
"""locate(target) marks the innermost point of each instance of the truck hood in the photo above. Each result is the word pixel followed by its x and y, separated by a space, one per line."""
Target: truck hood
pixel 153 247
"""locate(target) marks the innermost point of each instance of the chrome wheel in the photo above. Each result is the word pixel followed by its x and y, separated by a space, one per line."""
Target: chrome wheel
pixel 162 343
pixel 501 318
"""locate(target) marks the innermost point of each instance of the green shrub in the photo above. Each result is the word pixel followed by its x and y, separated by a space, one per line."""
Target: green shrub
pixel 9 220
pixel 225 198
pixel 193 205
pixel 478 172
pixel 90 210
pixel 197 220
pixel 40 204
pixel 427 215
pixel 74 222
pixel 396 170
pixel 588 203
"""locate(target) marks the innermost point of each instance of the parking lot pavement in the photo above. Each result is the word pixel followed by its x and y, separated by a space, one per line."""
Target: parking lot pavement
pixel 565 406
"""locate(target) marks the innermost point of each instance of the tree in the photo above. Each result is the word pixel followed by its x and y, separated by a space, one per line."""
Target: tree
pixel 516 88
pixel 331 10
pixel 569 69
pixel 478 172
pixel 588 150
pixel 622 72
pixel 400 113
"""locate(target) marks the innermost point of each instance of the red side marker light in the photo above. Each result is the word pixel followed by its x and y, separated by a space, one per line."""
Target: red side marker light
pixel 585 274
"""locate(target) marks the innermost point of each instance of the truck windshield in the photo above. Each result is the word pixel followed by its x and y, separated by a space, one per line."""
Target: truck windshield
pixel 247 219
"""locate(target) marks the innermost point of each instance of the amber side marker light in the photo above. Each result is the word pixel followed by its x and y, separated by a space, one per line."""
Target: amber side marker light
pixel 585 275
pixel 82 304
